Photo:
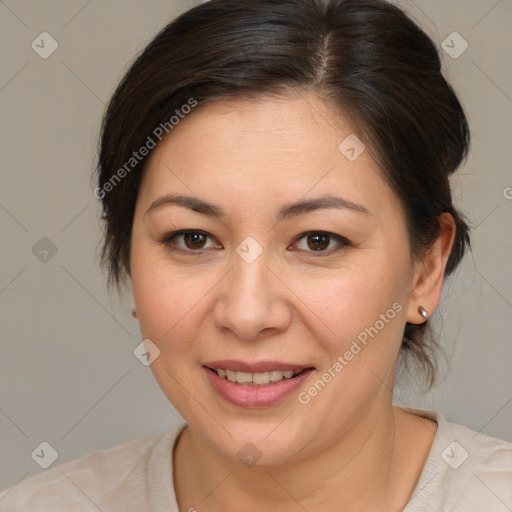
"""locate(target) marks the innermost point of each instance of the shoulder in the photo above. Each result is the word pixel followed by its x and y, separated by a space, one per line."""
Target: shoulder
pixel 465 471
pixel 109 479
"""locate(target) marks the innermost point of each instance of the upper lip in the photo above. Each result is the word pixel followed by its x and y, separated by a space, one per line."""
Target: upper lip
pixel 259 367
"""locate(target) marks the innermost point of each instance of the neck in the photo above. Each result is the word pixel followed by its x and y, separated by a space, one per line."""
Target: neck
pixel 358 472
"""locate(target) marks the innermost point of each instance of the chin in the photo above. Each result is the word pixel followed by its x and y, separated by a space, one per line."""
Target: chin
pixel 256 441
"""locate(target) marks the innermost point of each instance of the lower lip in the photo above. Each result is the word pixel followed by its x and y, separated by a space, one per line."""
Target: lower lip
pixel 253 396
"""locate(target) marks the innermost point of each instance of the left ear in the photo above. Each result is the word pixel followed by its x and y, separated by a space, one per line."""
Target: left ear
pixel 429 272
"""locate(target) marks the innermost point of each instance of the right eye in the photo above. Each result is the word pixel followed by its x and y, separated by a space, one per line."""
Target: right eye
pixel 190 242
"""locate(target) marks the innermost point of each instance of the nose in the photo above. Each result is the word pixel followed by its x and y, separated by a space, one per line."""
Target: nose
pixel 252 301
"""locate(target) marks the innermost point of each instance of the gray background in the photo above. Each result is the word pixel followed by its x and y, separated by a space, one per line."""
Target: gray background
pixel 68 375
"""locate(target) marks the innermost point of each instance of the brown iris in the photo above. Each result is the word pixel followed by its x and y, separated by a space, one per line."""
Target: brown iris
pixel 318 242
pixel 194 240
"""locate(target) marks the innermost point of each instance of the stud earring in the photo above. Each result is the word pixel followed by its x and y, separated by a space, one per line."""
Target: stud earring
pixel 134 313
pixel 422 312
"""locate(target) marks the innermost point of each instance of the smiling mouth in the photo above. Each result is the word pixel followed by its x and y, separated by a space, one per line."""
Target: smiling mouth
pixel 258 378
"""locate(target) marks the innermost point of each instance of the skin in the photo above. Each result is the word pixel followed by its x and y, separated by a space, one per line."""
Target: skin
pixel 349 448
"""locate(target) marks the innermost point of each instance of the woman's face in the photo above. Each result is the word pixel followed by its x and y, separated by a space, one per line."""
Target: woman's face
pixel 301 261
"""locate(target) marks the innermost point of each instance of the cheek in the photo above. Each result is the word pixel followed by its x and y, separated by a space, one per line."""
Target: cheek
pixel 166 303
pixel 169 308
pixel 362 317
pixel 155 300
pixel 172 303
pixel 362 312
pixel 351 300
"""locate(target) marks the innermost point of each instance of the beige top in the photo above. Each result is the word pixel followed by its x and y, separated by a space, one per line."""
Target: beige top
pixel 464 472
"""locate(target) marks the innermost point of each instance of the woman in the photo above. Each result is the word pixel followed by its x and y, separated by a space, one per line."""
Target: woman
pixel 274 183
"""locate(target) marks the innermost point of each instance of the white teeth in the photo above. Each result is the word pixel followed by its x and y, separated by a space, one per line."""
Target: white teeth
pixel 275 376
pixel 243 377
pixel 260 378
pixel 231 375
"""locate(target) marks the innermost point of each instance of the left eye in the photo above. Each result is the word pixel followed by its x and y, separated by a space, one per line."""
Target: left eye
pixel 320 241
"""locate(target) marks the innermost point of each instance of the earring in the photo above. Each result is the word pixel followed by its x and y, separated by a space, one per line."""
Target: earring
pixel 422 312
pixel 134 313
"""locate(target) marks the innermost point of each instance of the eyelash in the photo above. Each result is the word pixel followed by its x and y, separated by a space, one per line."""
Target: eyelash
pixel 170 237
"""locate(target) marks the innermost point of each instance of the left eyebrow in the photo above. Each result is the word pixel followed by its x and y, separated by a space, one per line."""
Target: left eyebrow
pixel 327 201
pixel 287 211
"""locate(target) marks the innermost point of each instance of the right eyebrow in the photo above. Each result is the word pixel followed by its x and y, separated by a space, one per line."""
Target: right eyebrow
pixel 193 203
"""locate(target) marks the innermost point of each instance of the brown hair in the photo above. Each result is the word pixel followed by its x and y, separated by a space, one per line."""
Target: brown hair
pixel 365 57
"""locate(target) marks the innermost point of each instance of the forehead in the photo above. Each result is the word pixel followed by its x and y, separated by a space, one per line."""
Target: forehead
pixel 274 147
